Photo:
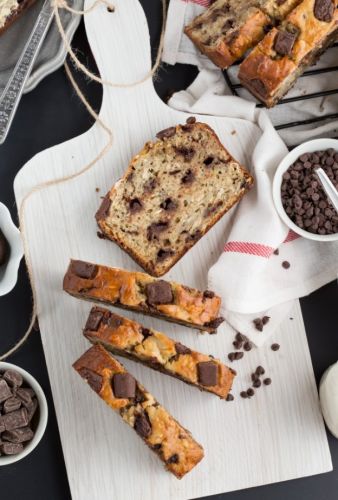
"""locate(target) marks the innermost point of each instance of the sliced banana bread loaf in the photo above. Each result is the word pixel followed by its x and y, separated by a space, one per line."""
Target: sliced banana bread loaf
pixel 172 193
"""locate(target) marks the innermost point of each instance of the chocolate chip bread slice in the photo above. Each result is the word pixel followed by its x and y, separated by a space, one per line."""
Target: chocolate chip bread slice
pixel 143 293
pixel 11 10
pixel 172 443
pixel 228 28
pixel 272 68
pixel 173 192
pixel 130 339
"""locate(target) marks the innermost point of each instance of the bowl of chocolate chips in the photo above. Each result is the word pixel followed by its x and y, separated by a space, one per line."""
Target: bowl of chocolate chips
pixel 298 195
pixel 11 251
pixel 23 413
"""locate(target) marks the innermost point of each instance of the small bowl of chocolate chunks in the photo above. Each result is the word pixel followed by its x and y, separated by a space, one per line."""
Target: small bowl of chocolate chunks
pixel 299 198
pixel 23 413
pixel 11 251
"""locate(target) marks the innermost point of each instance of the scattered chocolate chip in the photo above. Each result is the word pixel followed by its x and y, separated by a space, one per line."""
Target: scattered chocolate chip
pixel 214 324
pixel 254 376
pixel 182 349
pixel 208 294
pixel 286 264
pixel 84 270
pixel 275 347
pixel 240 337
pixel 155 229
pixel 247 346
pixel 230 397
pixel 284 42
pixel 237 345
pixel 104 209
pixel 323 10
pixel 101 235
pixel 191 120
pixel 235 356
pixel 159 292
pixel 174 459
pixel 166 133
pixel 267 381
pixel 265 320
pixel 163 254
pixel 189 177
pixel 207 373
pixel 124 386
pixel 250 392
pixel 258 322
pixel 257 383
pixel 94 320
pixel 244 394
pixel 168 204
pixel 135 205
pixel 142 425
pixel 5 391
pixel 276 252
pixel 260 370
pixel 93 379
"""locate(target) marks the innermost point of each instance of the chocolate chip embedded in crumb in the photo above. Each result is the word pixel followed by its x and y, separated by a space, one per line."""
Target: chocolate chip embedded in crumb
pixel 142 425
pixel 94 320
pixel 267 381
pixel 191 120
pixel 230 397
pixel 5 391
pixel 284 42
pixel 208 160
pixel 174 459
pixel 84 270
pixel 135 205
pixel 275 347
pixel 13 378
pixel 149 185
pixel 94 380
pixel 124 385
pixel 323 10
pixel 208 294
pixel 104 209
pixel 166 133
pixel 168 204
pixel 182 349
pixel 159 292
pixel 259 86
pixel 113 321
pixel 164 254
pixel 146 333
pixel 187 153
pixel 207 373
pixel 155 229
pixel 157 446
pixel 189 177
pixel 286 264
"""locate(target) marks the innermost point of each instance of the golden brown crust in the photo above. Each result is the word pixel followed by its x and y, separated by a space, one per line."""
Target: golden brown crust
pixel 128 290
pixel 159 269
pixel 130 339
pixel 171 442
pixel 14 16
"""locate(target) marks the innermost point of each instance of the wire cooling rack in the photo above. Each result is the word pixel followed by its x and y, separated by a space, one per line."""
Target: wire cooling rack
pixel 234 87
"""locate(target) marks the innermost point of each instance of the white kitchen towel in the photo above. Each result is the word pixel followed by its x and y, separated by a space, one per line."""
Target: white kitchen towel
pixel 248 275
pixel 179 49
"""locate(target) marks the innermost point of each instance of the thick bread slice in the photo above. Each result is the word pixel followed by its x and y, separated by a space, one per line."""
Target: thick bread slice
pixel 172 193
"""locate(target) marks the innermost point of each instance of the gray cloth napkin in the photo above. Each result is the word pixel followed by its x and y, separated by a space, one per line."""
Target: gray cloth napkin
pixel 52 54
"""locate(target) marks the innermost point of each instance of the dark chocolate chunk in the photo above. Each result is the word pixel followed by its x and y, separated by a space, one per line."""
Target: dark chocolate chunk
pixel 284 42
pixel 11 448
pixel 93 379
pixel 155 229
pixel 260 370
pixel 139 396
pixel 159 292
pixel 267 381
pixel 208 161
pixel 149 185
pixel 323 10
pixel 230 397
pixel 189 177
pixel 166 133
pixel 207 373
pixel 84 270
pixel 286 264
pixel 5 391
pixel 191 120
pixel 103 211
pixel 94 320
pixel 275 347
pixel 31 411
pixel 164 254
pixel 214 323
pixel 174 459
pixel 168 204
pixel 4 249
pixel 18 435
pixel 195 236
pixel 124 385
pixel 157 446
pixel 250 392
pixel 208 294
pixel 142 425
pixel 15 419
pixel 135 205
pixel 146 333
pixel 114 321
pixel 11 404
pixel 182 349
pixel 2 427
pixel 259 86
pixel 24 396
pixel 187 153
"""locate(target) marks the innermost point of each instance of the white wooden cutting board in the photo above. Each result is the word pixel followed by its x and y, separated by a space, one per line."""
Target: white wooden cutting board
pixel 277 435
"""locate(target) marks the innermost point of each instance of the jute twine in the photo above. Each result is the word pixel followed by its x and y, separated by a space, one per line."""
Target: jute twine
pixel 57 5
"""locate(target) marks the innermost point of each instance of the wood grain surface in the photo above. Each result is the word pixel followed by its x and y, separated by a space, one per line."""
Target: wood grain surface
pixel 275 436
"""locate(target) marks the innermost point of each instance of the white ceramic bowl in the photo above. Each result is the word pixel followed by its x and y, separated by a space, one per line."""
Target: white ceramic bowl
pixel 42 414
pixel 306 147
pixel 9 271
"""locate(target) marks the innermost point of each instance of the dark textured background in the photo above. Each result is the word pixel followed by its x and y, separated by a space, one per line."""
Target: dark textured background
pixel 52 114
